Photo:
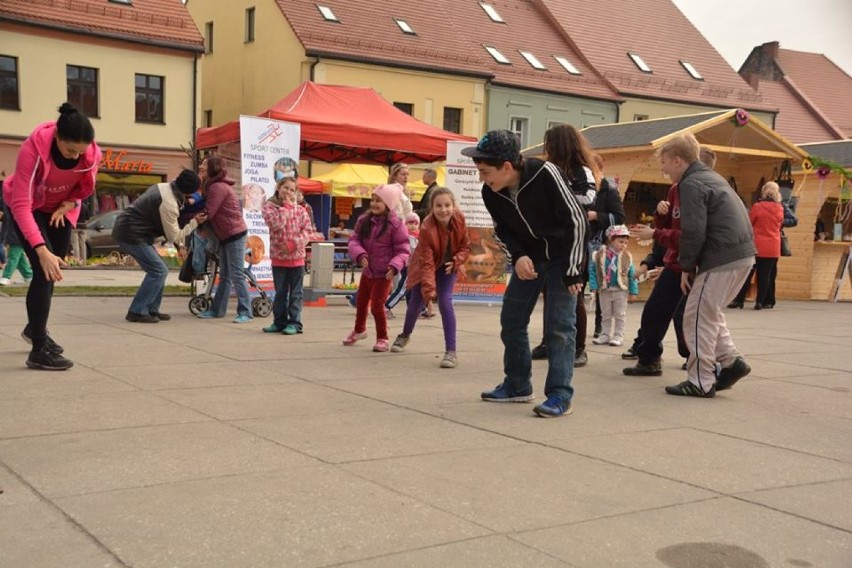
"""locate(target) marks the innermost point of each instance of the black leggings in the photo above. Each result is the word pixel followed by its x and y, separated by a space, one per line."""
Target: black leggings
pixel 57 240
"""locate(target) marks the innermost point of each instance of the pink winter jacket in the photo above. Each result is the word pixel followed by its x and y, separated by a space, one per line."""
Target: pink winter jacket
pixel 289 232
pixel 224 209
pixel 383 250
pixel 23 191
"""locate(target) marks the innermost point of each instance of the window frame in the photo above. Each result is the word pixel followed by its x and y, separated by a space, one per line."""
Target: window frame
pixel 492 13
pixel 208 37
pixel 567 65
pixel 524 134
pixel 459 118
pixel 497 55
pixel 250 25
pixel 405 26
pixel 79 100
pixel 17 83
pixel 534 61
pixel 690 68
pixel 327 13
pixel 403 106
pixel 147 90
pixel 639 62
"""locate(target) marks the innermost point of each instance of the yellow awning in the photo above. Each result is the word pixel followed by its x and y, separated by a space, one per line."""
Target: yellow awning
pixel 358 181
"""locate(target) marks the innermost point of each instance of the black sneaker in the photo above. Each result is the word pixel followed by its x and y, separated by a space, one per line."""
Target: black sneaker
pixel 688 389
pixel 581 359
pixel 500 394
pixel 539 351
pixel 48 361
pixel 630 354
pixel 51 345
pixel 141 318
pixel 161 316
pixel 643 370
pixel 728 376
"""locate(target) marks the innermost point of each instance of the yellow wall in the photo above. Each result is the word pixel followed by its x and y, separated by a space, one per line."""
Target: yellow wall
pixel 663 109
pixel 42 57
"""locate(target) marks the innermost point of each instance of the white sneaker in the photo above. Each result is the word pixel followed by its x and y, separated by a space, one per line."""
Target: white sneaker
pixel 601 339
pixel 616 341
pixel 5 282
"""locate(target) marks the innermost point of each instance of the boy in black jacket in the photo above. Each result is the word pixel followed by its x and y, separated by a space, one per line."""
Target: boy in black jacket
pixel 543 229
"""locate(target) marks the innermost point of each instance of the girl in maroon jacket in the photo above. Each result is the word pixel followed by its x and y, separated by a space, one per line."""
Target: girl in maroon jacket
pixel 379 245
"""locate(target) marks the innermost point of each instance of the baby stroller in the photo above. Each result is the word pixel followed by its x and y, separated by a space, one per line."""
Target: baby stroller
pixel 261 306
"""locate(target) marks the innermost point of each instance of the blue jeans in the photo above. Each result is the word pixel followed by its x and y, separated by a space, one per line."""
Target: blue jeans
pixel 150 293
pixel 199 253
pixel 560 330
pixel 287 305
pixel 232 273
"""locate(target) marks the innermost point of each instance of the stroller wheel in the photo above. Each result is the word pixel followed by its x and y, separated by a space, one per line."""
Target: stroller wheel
pixel 199 304
pixel 261 307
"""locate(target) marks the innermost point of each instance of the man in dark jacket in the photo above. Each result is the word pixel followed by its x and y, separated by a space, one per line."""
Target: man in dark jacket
pixel 543 228
pixel 154 215
pixel 430 178
pixel 716 254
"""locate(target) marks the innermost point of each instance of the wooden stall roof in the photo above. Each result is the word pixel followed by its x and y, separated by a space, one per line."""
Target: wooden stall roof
pixel 838 151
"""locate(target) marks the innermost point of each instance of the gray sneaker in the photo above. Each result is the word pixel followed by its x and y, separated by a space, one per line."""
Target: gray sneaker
pixel 399 343
pixel 449 361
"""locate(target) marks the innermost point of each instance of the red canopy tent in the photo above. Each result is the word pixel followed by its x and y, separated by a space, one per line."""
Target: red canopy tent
pixel 347 124
pixel 307 185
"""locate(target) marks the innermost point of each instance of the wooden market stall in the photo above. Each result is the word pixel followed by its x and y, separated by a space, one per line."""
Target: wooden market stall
pixel 747 152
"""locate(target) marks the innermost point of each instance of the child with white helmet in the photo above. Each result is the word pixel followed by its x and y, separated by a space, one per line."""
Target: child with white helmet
pixel 611 275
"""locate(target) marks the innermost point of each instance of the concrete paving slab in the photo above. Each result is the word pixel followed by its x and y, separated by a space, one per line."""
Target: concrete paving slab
pixel 523 488
pixel 319 517
pixel 37 535
pixel 154 376
pixel 360 436
pixel 138 349
pixel 25 384
pixel 834 360
pixel 490 551
pixel 14 491
pixel 838 382
pixel 705 534
pixel 55 415
pixel 714 461
pixel 829 503
pixel 72 464
pixel 261 401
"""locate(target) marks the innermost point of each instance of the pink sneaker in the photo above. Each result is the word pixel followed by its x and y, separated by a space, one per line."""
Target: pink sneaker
pixel 354 337
pixel 381 346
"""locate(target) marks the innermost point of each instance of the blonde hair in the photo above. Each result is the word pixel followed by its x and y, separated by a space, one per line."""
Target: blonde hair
pixel 707 157
pixel 394 170
pixel 770 190
pixel 683 146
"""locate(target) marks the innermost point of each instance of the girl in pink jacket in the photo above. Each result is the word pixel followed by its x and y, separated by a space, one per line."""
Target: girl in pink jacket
pixel 379 245
pixel 55 170
pixel 289 232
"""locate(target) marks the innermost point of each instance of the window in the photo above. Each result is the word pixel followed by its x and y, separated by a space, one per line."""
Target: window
pixel 640 63
pixel 403 25
pixel 638 117
pixel 128 2
pixel 208 37
pixel 693 72
pixel 453 119
pixel 149 98
pixel 208 118
pixel 327 13
pixel 9 95
pixel 532 60
pixel 492 13
pixel 520 126
pixel 83 89
pixel 407 108
pixel 498 57
pixel 567 65
pixel 249 25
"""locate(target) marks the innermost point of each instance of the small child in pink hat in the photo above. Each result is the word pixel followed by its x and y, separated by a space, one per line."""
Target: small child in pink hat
pixel 611 275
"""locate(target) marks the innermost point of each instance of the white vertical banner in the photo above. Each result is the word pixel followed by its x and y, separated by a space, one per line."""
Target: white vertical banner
pixel 486 265
pixel 269 150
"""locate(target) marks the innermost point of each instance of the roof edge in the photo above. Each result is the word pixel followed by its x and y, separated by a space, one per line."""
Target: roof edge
pixel 395 64
pixel 616 99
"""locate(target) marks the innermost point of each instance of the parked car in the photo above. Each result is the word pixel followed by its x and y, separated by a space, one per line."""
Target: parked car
pixel 99 241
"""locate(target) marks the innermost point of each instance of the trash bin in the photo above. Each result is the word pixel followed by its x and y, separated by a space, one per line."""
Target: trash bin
pixel 322 265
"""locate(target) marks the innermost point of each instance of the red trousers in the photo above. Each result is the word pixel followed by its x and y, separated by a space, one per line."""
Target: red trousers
pixel 372 294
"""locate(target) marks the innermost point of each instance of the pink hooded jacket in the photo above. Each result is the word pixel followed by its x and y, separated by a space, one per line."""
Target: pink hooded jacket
pixel 23 191
pixel 383 249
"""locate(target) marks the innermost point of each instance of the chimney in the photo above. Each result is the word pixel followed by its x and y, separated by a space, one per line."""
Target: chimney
pixel 770 48
pixel 753 79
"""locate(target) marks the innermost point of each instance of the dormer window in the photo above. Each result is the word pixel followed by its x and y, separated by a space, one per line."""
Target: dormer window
pixel 403 25
pixel 567 65
pixel 492 13
pixel 693 72
pixel 327 13
pixel 532 60
pixel 498 57
pixel 640 63
pixel 126 2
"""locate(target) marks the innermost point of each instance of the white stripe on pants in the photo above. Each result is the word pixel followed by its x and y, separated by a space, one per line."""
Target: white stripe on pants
pixel 704 327
pixel 613 307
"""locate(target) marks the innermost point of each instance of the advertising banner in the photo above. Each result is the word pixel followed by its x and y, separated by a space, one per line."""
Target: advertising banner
pixel 486 266
pixel 269 151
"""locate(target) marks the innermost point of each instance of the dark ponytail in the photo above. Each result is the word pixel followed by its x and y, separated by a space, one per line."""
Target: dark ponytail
pixel 72 126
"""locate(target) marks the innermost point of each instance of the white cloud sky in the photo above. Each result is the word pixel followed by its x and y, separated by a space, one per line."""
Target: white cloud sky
pixel 734 27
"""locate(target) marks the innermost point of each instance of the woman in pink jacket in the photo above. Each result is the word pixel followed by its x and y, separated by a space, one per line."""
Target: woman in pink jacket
pixel 55 170
pixel 379 245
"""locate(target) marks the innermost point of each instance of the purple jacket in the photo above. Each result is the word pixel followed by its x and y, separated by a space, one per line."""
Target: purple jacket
pixel 226 214
pixel 388 250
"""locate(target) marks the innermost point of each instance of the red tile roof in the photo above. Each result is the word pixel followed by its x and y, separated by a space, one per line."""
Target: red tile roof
pixel 823 82
pixel 160 22
pixel 794 121
pixel 450 37
pixel 656 30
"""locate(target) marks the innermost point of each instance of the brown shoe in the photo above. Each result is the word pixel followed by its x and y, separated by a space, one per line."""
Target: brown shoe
pixel 644 370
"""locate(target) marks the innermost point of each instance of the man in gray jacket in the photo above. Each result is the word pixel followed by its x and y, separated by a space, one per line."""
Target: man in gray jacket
pixel 716 254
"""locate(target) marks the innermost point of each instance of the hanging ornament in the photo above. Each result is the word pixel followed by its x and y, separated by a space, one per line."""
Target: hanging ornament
pixel 807 166
pixel 823 172
pixel 741 117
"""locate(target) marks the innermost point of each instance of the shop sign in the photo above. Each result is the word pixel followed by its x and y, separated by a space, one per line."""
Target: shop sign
pixel 117 161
